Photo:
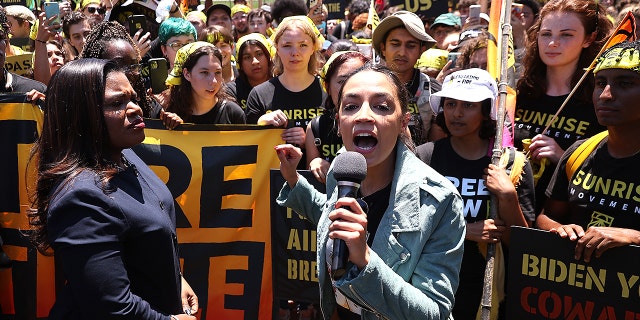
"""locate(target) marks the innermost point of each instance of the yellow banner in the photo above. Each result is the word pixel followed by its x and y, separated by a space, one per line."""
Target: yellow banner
pixel 220 181
pixel 20 64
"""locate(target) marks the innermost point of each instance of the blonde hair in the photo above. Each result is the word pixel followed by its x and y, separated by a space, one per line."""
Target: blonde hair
pixel 302 23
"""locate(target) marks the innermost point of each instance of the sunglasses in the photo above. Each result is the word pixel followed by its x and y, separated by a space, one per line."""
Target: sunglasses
pixel 93 10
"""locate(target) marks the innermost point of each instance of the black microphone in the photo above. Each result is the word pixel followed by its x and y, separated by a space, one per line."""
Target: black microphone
pixel 349 169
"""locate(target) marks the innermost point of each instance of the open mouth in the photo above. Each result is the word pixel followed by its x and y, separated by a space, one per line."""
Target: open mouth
pixel 365 141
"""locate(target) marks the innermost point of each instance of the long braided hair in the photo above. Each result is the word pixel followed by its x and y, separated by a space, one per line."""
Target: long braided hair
pixel 101 36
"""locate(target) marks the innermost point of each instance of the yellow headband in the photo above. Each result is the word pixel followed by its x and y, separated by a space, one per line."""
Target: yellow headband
pixel 257 37
pixel 619 58
pixel 175 76
pixel 306 20
pixel 325 68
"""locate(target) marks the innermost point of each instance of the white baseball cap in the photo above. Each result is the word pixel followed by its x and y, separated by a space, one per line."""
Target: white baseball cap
pixel 473 85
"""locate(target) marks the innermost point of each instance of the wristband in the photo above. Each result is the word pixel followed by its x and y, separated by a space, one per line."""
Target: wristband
pixel 38 40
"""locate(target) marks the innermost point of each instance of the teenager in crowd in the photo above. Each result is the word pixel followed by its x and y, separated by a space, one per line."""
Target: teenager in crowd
pixel 294 96
pixel 196 94
pixel 222 38
pixel 254 66
pixel 612 221
pixel 561 44
pixel 175 33
pixel 321 149
pixel 110 40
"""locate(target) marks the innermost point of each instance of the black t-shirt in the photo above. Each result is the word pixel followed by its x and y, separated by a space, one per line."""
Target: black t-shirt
pixel 239 90
pixel 300 107
pixel 577 121
pixel 603 192
pixel 466 175
pixel 420 88
pixel 378 202
pixel 327 140
pixel 224 112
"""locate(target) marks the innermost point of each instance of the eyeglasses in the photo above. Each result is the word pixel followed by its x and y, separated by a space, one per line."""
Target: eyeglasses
pixel 176 45
pixel 93 10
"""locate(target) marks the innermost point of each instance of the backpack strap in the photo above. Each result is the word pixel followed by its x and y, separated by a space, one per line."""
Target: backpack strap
pixel 428 152
pixel 581 153
pixel 315 128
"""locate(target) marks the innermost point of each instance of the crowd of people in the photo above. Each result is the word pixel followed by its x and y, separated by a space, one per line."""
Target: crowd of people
pixel 412 95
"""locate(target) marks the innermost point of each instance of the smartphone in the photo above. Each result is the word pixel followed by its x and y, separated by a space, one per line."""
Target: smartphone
pixel 158 71
pixel 453 56
pixel 474 11
pixel 313 3
pixel 53 9
pixel 137 22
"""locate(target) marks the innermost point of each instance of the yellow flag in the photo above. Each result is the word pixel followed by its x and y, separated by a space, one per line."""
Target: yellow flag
pixel 373 20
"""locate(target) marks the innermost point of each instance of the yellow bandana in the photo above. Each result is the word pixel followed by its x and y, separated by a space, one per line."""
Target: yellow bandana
pixel 619 58
pixel 325 68
pixel 306 20
pixel 257 37
pixel 175 76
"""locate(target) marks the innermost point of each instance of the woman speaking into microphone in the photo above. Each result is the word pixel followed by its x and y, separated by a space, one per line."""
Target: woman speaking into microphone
pixel 404 254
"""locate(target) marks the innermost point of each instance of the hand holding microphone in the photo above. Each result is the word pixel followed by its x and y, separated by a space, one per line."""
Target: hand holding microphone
pixel 349 227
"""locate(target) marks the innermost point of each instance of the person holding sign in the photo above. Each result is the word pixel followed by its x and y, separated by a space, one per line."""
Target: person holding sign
pixel 108 218
pixel 404 255
pixel 593 193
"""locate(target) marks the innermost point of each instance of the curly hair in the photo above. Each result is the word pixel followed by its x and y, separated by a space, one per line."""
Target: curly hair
pixel 533 83
pixel 468 47
pixel 181 97
pixel 281 9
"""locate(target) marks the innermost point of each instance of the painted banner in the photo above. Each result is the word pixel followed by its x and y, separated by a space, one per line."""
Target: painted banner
pixel 428 8
pixel 546 282
pixel 20 64
pixel 219 177
pixel 294 245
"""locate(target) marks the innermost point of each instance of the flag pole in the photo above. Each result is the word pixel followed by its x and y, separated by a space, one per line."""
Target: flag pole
pixel 505 24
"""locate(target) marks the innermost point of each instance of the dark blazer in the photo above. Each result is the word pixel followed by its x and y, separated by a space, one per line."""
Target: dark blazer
pixel 117 250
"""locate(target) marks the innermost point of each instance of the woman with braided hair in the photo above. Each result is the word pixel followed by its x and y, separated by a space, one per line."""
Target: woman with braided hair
pixel 110 40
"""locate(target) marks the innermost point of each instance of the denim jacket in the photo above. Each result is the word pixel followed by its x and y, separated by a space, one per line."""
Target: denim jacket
pixel 417 251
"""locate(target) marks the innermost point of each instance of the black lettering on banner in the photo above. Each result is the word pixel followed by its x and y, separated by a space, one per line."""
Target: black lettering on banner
pixel 198 272
pixel 212 215
pixel 180 172
pixel 13 132
pixel 293 247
